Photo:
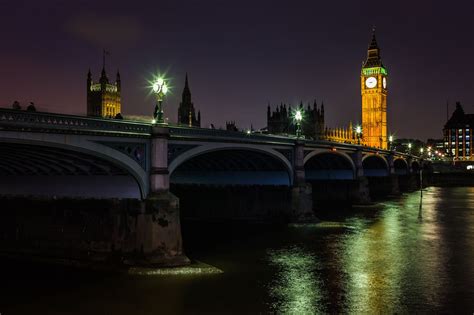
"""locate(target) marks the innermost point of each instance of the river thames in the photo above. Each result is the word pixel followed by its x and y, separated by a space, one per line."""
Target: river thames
pixel 392 257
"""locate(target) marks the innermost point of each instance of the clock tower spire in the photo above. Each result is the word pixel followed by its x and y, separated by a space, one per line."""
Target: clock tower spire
pixel 373 83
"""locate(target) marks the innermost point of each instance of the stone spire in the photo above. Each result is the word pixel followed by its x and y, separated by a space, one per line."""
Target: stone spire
pixel 186 111
pixel 373 53
pixel 118 81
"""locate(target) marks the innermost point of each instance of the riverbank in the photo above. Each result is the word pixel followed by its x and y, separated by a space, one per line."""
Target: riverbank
pixel 194 267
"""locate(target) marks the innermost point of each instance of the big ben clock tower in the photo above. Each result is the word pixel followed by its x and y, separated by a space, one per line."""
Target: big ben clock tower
pixel 373 85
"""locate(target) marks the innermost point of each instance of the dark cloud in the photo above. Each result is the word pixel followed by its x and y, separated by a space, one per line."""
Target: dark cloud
pixel 106 31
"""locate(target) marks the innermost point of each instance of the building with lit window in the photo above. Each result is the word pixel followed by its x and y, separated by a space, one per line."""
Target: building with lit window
pixel 458 134
pixel 103 97
pixel 373 83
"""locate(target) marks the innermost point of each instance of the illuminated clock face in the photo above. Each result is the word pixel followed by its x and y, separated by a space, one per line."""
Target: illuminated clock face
pixel 384 82
pixel 370 82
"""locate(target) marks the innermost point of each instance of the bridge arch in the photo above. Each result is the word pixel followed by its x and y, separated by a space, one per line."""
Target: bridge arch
pixel 329 165
pixel 375 165
pixel 415 166
pixel 69 166
pixel 400 166
pixel 241 164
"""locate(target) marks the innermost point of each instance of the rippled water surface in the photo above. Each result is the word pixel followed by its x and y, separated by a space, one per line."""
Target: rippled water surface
pixel 392 257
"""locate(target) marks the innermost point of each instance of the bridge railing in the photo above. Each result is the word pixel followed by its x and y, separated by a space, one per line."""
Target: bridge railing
pixel 203 133
pixel 40 121
pixel 11 119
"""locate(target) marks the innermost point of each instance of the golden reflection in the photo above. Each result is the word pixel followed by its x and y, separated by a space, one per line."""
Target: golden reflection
pixel 296 288
pixel 390 258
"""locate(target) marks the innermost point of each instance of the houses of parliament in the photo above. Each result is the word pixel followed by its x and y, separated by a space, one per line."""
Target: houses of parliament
pixel 373 86
pixel 103 100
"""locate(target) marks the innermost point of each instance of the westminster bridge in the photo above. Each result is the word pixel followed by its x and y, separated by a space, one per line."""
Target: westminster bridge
pixel 65 156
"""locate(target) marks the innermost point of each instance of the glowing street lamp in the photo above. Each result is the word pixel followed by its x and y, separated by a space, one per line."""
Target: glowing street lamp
pixel 390 142
pixel 298 118
pixel 421 151
pixel 358 130
pixel 409 147
pixel 160 88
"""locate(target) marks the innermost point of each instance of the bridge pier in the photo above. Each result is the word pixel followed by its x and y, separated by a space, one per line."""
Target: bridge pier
pixel 301 192
pixel 393 178
pixel 361 191
pixel 158 230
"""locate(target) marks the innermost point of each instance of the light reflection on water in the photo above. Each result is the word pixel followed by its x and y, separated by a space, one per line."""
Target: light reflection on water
pixel 389 258
pixel 296 287
pixel 395 262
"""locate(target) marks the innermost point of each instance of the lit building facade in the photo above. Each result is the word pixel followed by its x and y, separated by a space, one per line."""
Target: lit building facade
pixel 458 134
pixel 373 84
pixel 103 98
pixel 280 121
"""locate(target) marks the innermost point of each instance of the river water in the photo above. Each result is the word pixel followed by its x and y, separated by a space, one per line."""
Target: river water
pixel 392 257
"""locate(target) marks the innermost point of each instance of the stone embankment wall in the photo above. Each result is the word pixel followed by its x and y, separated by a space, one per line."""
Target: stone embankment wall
pixel 127 231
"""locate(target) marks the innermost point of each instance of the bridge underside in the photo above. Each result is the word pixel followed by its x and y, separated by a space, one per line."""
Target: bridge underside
pixel 232 167
pixel 375 166
pixel 400 166
pixel 50 171
pixel 328 166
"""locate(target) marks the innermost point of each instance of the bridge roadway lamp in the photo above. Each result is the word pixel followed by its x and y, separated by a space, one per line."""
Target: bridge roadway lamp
pixel 390 141
pixel 160 88
pixel 358 130
pixel 409 148
pixel 298 119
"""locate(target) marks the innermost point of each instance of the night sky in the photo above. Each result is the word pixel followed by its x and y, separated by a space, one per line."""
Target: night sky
pixel 241 55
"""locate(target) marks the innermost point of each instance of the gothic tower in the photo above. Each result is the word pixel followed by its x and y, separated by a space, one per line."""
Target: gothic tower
pixel 103 98
pixel 373 84
pixel 186 112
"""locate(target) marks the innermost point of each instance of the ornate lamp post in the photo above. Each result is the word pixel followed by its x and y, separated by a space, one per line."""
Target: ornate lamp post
pixel 390 142
pixel 160 89
pixel 358 131
pixel 298 119
pixel 421 151
pixel 409 148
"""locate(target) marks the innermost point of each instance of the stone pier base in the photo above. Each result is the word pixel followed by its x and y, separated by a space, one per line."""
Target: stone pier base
pixel 395 187
pixel 361 191
pixel 302 204
pixel 110 232
pixel 157 233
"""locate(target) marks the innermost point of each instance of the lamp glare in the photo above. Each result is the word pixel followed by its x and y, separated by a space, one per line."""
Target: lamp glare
pixel 298 115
